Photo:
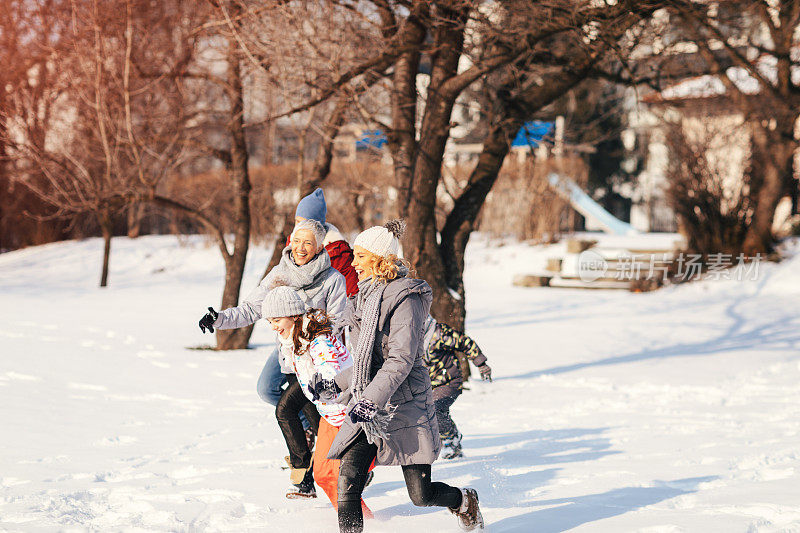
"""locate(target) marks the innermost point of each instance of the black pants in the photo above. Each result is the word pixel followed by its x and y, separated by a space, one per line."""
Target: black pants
pixel 447 428
pixel 353 475
pixel 288 414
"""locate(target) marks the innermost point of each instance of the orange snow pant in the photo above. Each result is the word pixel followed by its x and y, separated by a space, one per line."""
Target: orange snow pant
pixel 326 471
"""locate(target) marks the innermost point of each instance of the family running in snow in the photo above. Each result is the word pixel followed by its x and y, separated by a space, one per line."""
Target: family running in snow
pixel 381 398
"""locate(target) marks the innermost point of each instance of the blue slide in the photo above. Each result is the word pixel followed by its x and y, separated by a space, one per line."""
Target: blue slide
pixel 587 207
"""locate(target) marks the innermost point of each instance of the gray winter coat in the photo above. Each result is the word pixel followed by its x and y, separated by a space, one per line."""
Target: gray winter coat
pixel 327 292
pixel 399 377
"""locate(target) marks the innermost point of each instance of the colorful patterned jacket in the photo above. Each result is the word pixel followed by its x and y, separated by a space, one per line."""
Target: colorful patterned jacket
pixel 440 355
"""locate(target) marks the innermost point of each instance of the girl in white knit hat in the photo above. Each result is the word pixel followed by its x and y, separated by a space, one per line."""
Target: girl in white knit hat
pixel 309 348
pixel 387 392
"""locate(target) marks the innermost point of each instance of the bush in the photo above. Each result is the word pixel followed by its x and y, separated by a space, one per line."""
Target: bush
pixel 709 184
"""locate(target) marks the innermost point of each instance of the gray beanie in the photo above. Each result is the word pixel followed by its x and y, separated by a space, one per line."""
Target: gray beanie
pixel 282 301
pixel 382 240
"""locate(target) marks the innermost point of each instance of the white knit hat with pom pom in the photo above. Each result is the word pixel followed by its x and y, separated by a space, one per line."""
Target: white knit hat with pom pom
pixel 382 240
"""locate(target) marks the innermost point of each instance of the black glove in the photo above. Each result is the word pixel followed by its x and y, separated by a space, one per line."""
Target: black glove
pixel 208 320
pixel 363 411
pixel 323 389
pixel 486 372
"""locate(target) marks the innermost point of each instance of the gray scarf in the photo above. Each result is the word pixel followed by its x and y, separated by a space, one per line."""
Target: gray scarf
pixel 301 277
pixel 367 304
pixel 427 331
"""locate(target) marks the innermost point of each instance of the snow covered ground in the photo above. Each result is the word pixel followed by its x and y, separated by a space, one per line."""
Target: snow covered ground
pixel 677 410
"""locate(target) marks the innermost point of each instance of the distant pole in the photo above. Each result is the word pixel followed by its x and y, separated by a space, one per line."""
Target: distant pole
pixel 558 145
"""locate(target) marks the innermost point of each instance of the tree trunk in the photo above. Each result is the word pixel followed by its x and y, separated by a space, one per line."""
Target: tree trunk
pixel 775 155
pixel 321 170
pixel 402 138
pixel 107 229
pixel 234 263
pixel 135 215
pixel 420 246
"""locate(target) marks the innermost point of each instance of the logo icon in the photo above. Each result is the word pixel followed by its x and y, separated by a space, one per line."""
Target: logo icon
pixel 591 266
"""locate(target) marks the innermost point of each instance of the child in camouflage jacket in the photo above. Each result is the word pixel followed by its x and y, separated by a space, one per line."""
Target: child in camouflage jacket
pixel 442 342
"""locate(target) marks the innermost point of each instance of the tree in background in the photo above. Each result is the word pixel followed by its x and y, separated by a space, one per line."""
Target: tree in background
pixel 712 212
pixel 31 34
pixel 759 39
pixel 460 42
pixel 74 157
pixel 531 55
pixel 108 136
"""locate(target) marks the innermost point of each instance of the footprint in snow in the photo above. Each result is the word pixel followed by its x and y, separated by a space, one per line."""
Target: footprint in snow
pixel 120 440
pixel 149 354
pixel 16 376
pixel 87 386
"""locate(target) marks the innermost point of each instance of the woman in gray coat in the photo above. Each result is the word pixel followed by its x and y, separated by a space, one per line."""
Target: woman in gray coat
pixel 392 419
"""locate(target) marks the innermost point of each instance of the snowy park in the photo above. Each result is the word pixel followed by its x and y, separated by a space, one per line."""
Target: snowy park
pixel 674 410
pixel 400 265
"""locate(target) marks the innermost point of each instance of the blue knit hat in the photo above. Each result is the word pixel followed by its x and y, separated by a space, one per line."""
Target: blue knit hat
pixel 313 206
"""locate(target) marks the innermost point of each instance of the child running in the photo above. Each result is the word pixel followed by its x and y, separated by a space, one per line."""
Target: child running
pixel 308 348
pixel 442 342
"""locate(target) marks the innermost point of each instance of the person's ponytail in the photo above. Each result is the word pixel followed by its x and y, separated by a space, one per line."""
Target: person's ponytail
pixel 308 327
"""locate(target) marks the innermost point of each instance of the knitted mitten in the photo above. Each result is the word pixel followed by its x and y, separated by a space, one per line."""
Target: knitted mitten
pixel 363 411
pixel 323 389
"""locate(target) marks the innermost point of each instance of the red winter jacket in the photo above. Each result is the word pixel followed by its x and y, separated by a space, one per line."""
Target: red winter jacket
pixel 342 260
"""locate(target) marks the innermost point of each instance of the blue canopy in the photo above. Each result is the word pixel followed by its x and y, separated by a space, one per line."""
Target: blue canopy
pixel 371 139
pixel 529 134
pixel 532 132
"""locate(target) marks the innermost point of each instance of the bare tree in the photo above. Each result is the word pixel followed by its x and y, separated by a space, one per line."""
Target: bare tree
pixel 460 43
pixel 759 39
pixel 31 34
pixel 713 212
pixel 558 45
pixel 75 161
pixel 206 67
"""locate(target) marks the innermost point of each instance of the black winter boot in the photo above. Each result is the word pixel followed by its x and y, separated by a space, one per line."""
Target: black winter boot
pixel 304 489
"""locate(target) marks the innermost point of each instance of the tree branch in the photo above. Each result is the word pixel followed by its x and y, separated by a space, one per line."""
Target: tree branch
pixel 690 12
pixel 197 215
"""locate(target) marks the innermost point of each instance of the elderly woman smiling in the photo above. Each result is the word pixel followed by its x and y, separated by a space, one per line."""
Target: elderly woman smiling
pixel 305 268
